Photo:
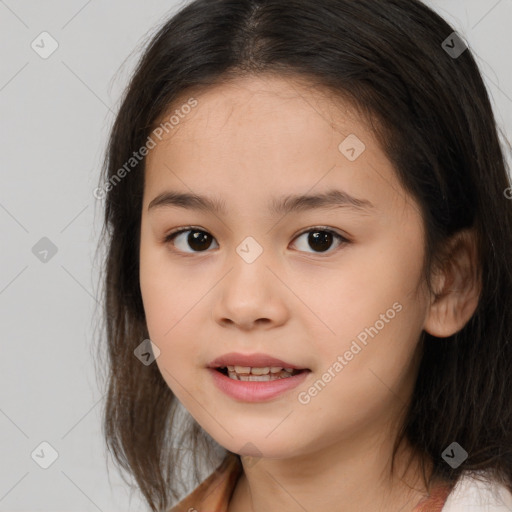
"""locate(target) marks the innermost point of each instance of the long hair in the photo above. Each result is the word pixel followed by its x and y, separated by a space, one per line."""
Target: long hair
pixel 431 112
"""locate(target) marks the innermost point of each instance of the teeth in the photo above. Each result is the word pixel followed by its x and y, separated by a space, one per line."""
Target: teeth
pixel 248 373
pixel 258 371
pixel 259 378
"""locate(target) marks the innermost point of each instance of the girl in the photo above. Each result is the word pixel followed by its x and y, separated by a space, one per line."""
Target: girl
pixel 309 239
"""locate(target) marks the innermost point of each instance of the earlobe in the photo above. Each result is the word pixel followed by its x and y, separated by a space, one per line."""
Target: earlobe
pixel 457 287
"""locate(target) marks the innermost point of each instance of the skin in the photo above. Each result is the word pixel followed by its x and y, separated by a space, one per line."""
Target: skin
pixel 248 141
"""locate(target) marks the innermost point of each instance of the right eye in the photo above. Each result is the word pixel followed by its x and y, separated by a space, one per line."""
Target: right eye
pixel 197 239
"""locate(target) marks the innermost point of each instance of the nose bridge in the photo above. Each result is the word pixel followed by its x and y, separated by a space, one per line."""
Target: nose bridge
pixel 249 292
pixel 248 279
pixel 250 250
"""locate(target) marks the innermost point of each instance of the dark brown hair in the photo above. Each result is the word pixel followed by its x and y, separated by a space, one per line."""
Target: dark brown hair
pixel 431 113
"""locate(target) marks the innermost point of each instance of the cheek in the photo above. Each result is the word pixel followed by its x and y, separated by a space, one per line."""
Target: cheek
pixel 165 294
pixel 368 308
pixel 171 317
pixel 171 307
pixel 156 294
pixel 168 312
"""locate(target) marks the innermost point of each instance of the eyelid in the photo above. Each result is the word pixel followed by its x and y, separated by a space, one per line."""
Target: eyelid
pixel 343 239
pixel 323 228
pixel 176 231
pixel 305 230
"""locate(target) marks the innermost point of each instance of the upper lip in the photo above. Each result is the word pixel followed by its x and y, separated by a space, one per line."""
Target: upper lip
pixel 252 360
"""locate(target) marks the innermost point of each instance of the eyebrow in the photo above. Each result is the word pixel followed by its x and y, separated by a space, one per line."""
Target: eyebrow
pixel 278 206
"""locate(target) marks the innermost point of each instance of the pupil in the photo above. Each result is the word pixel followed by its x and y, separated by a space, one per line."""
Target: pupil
pixel 323 239
pixel 195 238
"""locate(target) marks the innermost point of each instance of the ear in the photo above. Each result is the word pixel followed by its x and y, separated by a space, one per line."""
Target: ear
pixel 457 287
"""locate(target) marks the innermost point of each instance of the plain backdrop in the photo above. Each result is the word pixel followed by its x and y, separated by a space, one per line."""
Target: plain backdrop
pixel 55 117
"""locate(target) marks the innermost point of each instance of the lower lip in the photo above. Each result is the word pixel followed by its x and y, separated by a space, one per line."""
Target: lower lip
pixel 251 391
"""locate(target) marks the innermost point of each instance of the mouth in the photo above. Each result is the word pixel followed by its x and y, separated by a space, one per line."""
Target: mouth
pixel 264 374
pixel 257 384
pixel 253 365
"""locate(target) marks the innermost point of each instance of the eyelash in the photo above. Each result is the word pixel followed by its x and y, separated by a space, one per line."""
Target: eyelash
pixel 170 236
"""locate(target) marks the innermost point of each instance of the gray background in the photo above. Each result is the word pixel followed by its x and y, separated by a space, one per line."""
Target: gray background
pixel 55 115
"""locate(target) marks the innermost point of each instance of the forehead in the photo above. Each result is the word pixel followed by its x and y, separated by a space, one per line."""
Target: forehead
pixel 266 133
pixel 283 103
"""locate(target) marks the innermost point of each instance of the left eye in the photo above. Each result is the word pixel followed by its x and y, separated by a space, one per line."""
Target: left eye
pixel 320 238
pixel 200 241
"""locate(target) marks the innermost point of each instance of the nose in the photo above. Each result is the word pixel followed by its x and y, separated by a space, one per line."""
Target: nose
pixel 251 296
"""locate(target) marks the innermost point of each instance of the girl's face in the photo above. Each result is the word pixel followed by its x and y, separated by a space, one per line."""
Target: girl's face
pixel 279 281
